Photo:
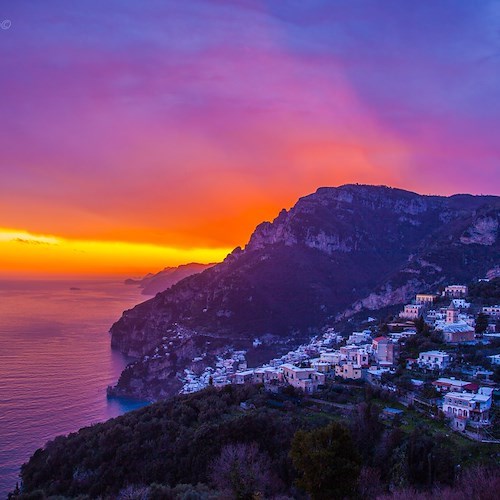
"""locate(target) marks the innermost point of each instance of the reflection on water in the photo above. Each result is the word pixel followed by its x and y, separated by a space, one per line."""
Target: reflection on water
pixel 56 362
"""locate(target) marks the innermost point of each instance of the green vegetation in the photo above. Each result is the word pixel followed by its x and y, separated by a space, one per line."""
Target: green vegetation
pixel 485 292
pixel 481 322
pixel 205 446
pixel 327 461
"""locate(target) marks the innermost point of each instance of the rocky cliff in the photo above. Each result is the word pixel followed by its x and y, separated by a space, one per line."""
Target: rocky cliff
pixel 336 252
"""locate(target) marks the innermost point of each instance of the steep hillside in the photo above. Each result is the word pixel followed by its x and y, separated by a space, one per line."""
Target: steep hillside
pixel 336 252
pixel 171 450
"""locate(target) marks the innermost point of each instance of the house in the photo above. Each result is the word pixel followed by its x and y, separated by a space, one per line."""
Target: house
pixel 306 379
pixel 453 385
pixel 348 371
pixel 267 374
pixel 385 350
pixel 492 311
pixel 458 332
pixel 425 298
pixel 244 377
pixel 456 291
pixel 412 311
pixel 402 335
pixel 362 358
pixel 434 360
pixel 331 357
pixel 495 359
pixel 320 366
pixel 434 316
pixel 258 375
pixel 374 375
pixel 350 352
pixel 460 304
pixel 220 381
pixel 464 408
pixel 359 337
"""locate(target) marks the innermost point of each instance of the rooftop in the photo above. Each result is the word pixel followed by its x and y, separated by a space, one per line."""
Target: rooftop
pixel 451 381
pixel 465 396
pixel 459 326
pixel 434 353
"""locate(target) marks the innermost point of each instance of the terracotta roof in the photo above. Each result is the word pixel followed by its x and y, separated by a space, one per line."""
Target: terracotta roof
pixel 472 387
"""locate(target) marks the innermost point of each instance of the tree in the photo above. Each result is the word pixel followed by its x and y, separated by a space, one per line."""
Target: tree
pixel 422 327
pixel 366 429
pixel 429 459
pixel 383 328
pixel 327 462
pixel 481 322
pixel 242 470
pixel 429 391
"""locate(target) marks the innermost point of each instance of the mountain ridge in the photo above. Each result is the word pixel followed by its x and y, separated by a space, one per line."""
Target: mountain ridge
pixel 152 284
pixel 334 253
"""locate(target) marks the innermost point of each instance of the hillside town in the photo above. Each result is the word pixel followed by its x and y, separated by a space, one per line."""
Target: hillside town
pixel 440 354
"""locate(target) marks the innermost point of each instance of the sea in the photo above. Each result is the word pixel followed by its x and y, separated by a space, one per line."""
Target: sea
pixel 56 362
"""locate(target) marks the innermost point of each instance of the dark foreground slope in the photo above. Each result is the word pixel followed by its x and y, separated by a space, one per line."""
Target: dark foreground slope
pixel 336 252
pixel 151 452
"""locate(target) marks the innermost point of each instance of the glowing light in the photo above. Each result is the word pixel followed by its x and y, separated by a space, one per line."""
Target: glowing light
pixel 32 254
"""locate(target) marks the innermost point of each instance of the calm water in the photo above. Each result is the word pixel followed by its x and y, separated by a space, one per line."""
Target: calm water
pixel 55 362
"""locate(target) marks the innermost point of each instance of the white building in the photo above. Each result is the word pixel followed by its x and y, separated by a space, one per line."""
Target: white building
pixel 466 408
pixel 495 359
pixel 453 385
pixel 492 311
pixel 331 357
pixel 434 360
pixel 460 304
pixel 350 352
pixel 402 335
pixel 436 316
pixel 456 291
pixel 359 337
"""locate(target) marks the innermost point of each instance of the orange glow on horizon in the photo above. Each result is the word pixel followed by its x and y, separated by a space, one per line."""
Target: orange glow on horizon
pixel 27 254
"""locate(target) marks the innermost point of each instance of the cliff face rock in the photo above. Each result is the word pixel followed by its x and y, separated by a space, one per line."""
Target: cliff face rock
pixel 484 231
pixel 336 252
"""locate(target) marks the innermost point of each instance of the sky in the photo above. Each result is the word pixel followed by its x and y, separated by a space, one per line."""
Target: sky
pixel 140 134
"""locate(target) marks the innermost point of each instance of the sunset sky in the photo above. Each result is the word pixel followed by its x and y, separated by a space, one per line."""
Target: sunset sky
pixel 140 134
